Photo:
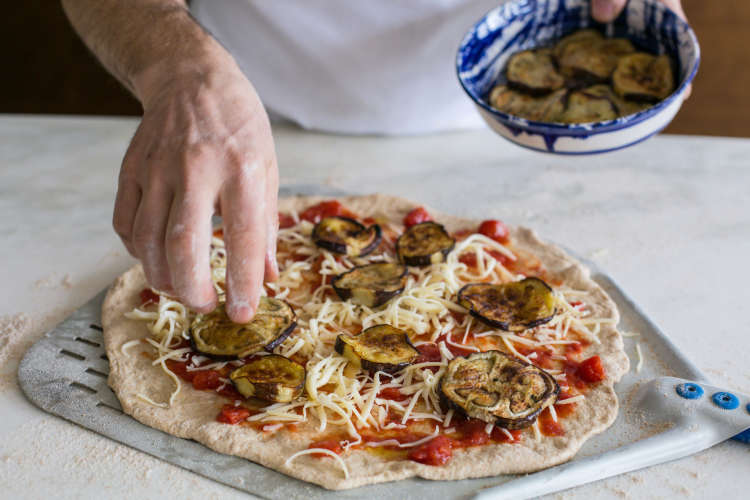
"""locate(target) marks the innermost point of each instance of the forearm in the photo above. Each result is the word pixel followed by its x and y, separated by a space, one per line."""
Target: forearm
pixel 144 43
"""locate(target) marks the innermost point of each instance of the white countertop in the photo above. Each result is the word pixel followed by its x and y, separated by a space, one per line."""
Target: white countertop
pixel 669 219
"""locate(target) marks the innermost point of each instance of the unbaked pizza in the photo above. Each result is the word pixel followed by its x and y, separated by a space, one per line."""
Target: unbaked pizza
pixel 397 342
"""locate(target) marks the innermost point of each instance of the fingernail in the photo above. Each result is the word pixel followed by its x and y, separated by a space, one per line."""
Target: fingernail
pixel 240 313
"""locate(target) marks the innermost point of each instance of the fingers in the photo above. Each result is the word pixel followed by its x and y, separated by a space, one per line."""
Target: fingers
pixel 126 206
pixel 149 227
pixel 243 205
pixel 688 91
pixel 187 242
pixel 272 223
pixel 606 11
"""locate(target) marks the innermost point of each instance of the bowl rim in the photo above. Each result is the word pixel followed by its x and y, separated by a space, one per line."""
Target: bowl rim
pixel 588 128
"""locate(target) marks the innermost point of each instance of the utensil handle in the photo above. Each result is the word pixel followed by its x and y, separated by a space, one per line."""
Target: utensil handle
pixel 670 445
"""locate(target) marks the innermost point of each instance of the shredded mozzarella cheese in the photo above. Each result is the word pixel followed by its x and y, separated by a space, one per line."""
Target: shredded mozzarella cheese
pixel 323 451
pixel 336 393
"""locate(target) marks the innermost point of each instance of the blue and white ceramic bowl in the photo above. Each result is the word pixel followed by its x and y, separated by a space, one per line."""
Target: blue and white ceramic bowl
pixel 523 24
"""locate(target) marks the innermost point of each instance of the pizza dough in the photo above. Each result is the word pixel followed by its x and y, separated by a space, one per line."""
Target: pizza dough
pixel 193 413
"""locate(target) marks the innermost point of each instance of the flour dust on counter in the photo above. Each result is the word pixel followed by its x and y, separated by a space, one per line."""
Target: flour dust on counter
pixel 86 465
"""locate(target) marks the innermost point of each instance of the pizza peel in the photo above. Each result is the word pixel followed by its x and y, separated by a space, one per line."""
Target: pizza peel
pixel 698 416
pixel 65 374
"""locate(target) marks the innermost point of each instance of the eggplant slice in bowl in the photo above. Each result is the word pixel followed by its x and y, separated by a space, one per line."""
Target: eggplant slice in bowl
pixel 534 72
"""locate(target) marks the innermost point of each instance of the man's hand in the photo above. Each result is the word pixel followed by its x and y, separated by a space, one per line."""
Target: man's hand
pixel 204 146
pixel 605 11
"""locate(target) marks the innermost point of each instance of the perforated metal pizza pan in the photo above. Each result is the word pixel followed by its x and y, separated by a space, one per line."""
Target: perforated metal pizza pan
pixel 65 373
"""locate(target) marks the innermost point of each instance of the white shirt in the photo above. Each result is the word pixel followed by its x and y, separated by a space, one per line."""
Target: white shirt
pixel 352 66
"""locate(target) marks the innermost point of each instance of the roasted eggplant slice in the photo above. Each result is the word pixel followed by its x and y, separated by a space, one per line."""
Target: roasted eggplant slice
pixel 498 389
pixel 589 61
pixel 371 285
pixel 546 108
pixel 643 77
pixel 214 334
pixel 591 35
pixel 513 306
pixel 534 72
pixel 624 107
pixel 346 236
pixel 270 378
pixel 379 348
pixel 424 244
pixel 593 104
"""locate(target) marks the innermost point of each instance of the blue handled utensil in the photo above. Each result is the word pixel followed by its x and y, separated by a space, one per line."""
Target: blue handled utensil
pixel 701 416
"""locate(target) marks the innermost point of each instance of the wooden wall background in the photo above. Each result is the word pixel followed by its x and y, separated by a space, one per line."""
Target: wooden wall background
pixel 48 69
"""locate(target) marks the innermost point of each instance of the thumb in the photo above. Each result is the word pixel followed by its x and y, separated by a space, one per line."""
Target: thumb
pixel 606 11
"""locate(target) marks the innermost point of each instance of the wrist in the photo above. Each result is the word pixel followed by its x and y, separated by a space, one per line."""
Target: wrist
pixel 193 68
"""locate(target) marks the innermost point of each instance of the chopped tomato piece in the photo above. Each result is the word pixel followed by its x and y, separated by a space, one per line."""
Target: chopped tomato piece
pixel 232 415
pixel 219 232
pixel 437 451
pixel 428 353
pixel 206 380
pixel 498 435
pixel 459 350
pixel 495 230
pixel 148 296
pixel 369 221
pixel 229 392
pixel 329 444
pixel 179 368
pixel 548 426
pixel 330 208
pixel 392 393
pixel 470 259
pixel 500 257
pixel 285 220
pixel 573 349
pixel 473 431
pixel 591 370
pixel 564 410
pixel 458 317
pixel 417 216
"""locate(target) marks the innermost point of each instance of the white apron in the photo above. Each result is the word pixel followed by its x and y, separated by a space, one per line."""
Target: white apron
pixel 352 66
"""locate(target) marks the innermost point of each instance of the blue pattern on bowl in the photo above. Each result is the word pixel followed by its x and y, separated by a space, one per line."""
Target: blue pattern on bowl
pixel 522 24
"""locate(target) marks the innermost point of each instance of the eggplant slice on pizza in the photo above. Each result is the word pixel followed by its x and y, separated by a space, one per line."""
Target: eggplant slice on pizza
pixel 424 244
pixel 378 348
pixel 346 236
pixel 217 336
pixel 498 389
pixel 270 378
pixel 371 285
pixel 513 306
